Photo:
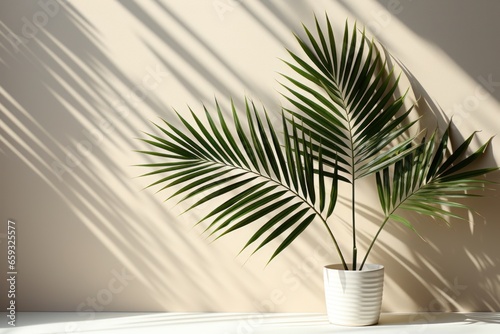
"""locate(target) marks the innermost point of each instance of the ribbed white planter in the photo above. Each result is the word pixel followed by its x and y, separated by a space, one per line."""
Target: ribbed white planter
pixel 353 298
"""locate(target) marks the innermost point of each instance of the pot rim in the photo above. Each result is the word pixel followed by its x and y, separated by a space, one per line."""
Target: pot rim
pixel 366 267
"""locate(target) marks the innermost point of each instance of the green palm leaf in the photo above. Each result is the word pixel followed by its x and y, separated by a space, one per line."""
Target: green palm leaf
pixel 429 181
pixel 348 103
pixel 353 109
pixel 267 177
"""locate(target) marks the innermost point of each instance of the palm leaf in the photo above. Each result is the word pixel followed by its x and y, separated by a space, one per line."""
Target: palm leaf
pixel 265 177
pixel 353 110
pixel 432 190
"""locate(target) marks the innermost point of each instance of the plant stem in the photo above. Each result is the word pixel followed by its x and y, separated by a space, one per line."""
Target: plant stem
pixel 373 242
pixel 334 242
pixel 354 247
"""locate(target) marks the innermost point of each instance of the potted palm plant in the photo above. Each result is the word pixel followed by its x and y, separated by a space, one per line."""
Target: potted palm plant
pixel 345 122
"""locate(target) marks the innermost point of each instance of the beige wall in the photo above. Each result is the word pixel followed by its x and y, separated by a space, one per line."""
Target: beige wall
pixel 75 93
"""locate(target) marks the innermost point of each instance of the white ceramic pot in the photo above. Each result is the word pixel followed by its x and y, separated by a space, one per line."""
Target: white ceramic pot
pixel 353 298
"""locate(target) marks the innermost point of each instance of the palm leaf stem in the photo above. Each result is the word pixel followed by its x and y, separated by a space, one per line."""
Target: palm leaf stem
pixel 375 237
pixel 353 197
pixel 354 246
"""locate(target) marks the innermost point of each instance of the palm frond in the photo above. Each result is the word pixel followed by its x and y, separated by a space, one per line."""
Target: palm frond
pixel 431 177
pixel 265 177
pixel 347 102
pixel 429 180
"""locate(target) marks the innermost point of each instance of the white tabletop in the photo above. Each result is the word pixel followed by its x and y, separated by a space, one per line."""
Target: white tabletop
pixel 226 323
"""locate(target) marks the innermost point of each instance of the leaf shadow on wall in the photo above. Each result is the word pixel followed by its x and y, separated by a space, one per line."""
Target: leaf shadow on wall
pixel 466 32
pixel 68 142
